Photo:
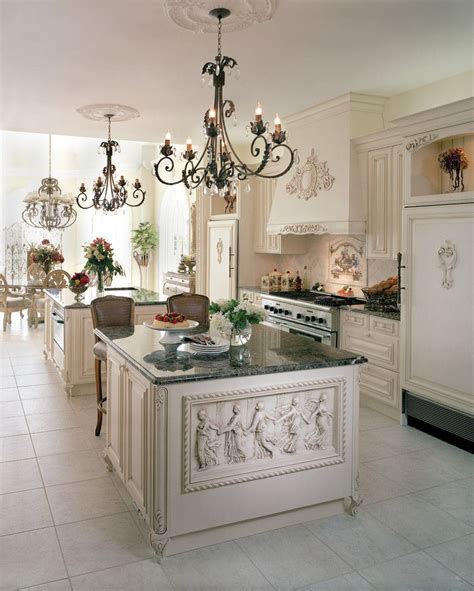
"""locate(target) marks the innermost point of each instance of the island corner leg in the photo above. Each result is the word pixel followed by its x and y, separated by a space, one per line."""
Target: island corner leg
pixel 108 463
pixel 354 501
pixel 159 546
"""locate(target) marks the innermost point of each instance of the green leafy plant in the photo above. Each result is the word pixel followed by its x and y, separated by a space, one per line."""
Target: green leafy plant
pixel 232 314
pixel 144 238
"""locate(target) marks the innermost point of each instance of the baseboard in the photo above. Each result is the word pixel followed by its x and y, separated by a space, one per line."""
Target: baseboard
pixel 385 409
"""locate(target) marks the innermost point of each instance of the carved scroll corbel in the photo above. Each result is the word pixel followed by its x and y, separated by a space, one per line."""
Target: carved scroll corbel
pixel 447 258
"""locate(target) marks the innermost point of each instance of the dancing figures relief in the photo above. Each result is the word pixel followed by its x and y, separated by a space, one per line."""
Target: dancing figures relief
pixel 298 426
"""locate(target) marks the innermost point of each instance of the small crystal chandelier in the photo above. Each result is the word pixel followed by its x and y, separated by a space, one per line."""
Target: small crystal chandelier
pixel 110 195
pixel 48 208
pixel 218 166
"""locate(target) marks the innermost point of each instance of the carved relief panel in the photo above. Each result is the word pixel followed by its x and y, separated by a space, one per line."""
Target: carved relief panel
pixel 234 437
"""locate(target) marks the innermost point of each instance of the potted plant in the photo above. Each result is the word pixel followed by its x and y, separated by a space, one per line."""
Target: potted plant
pixel 234 319
pixel 46 255
pixel 454 161
pixel 144 241
pixel 100 260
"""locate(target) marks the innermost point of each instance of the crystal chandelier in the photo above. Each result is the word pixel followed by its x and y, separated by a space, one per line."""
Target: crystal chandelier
pixel 109 194
pixel 218 166
pixel 48 208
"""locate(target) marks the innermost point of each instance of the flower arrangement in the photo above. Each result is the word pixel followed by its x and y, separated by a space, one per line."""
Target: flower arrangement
pixel 46 255
pixel 233 319
pixel 100 260
pixel 454 161
pixel 78 283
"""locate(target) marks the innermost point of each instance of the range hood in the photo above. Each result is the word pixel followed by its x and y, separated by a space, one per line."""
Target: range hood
pixel 322 193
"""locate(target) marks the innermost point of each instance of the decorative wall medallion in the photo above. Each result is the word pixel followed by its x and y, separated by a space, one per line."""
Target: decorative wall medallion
pixel 243 435
pixel 219 248
pixel 347 265
pixel 419 142
pixel 194 15
pixel 99 111
pixel 447 257
pixel 310 178
pixel 303 229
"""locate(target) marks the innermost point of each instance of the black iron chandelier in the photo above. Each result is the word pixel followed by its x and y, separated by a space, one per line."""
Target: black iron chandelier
pixel 109 194
pixel 48 208
pixel 218 166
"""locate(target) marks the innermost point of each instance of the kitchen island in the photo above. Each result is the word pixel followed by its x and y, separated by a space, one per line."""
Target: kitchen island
pixel 69 335
pixel 212 449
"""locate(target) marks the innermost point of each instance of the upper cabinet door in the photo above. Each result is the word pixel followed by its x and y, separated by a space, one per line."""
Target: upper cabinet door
pixel 222 259
pixel 379 197
pixel 397 186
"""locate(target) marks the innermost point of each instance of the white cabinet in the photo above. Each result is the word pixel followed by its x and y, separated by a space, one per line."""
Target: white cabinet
pixel 376 338
pixel 115 400
pixel 437 315
pixel 385 168
pixel 222 259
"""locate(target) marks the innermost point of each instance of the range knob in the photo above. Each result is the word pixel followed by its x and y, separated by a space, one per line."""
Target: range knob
pixel 321 321
pixel 307 318
pixel 280 310
pixel 266 307
pixel 287 312
pixel 299 315
pixel 313 318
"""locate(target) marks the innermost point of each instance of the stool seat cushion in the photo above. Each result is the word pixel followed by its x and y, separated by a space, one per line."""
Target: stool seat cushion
pixel 100 351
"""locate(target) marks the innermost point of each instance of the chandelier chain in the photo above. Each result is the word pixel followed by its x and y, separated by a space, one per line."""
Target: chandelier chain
pixel 219 38
pixel 109 117
pixel 49 157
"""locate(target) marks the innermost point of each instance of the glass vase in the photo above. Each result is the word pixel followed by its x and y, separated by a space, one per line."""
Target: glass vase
pixel 240 336
pixel 100 284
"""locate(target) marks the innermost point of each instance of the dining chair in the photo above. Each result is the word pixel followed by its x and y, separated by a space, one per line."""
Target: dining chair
pixel 191 305
pixel 57 279
pixel 107 311
pixel 11 301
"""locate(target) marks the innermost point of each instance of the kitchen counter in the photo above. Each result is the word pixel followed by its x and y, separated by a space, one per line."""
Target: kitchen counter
pixel 364 310
pixel 268 351
pixel 260 438
pixel 142 297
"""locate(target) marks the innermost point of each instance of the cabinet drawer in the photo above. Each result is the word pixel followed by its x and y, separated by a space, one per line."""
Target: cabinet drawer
pixel 380 350
pixel 381 384
pixel 384 326
pixel 355 319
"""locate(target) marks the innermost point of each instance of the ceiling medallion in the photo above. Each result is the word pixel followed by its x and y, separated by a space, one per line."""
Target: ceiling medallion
pixel 99 111
pixel 196 16
pixel 48 208
pixel 109 194
pixel 310 178
pixel 218 166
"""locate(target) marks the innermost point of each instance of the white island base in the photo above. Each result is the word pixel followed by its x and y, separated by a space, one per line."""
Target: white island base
pixel 213 460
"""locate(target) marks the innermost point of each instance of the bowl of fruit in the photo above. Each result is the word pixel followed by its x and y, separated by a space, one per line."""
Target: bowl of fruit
pixel 78 284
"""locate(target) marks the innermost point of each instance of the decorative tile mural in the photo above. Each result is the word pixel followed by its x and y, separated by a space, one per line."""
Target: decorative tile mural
pixel 346 262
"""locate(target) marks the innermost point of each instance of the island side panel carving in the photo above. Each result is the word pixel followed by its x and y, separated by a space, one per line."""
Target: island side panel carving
pixel 238 436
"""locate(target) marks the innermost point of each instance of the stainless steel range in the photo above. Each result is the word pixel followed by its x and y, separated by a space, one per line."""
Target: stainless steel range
pixel 311 314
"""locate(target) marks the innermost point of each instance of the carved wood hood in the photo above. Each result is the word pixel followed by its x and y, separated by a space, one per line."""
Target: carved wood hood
pixel 322 193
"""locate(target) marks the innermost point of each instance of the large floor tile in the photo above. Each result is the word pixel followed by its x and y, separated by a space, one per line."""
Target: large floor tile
pixel 100 543
pixel 350 582
pixel 376 487
pixel 41 391
pixel 219 567
pixel 22 511
pixel 16 447
pixel 457 555
pixel 9 394
pixel 38 379
pixel 360 541
pixel 145 575
pixel 292 557
pixel 36 406
pixel 7 382
pixel 83 500
pixel 371 419
pixel 457 498
pixel 5 371
pixel 13 426
pixel 36 367
pixel 417 470
pixel 391 441
pixel 30 558
pixel 415 572
pixel 418 521
pixel 52 421
pixel 62 441
pixel 62 585
pixel 72 467
pixel 19 475
pixel 12 408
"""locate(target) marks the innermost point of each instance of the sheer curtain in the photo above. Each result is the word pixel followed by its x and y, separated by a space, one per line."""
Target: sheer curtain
pixel 116 228
pixel 173 227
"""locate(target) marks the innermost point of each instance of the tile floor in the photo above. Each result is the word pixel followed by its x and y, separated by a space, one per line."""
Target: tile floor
pixel 66 523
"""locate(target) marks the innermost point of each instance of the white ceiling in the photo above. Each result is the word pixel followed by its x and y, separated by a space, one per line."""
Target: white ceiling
pixel 58 55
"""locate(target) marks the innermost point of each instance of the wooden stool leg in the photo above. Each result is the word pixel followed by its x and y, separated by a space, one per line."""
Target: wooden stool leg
pixel 98 389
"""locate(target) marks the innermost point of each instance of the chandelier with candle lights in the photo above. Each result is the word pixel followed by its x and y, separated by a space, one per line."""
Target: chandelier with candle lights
pixel 48 208
pixel 218 166
pixel 109 194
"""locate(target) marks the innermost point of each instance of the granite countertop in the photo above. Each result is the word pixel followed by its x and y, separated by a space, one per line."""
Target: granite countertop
pixel 141 297
pixel 268 351
pixel 363 310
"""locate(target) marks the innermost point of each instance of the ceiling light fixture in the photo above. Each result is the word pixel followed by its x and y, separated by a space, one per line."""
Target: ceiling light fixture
pixel 218 166
pixel 48 208
pixel 109 194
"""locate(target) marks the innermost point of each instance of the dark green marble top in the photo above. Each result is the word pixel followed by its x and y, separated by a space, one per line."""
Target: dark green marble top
pixel 141 297
pixel 269 351
pixel 364 310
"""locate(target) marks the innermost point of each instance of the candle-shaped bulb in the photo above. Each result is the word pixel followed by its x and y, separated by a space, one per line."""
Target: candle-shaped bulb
pixel 189 145
pixel 168 138
pixel 277 124
pixel 212 115
pixel 258 113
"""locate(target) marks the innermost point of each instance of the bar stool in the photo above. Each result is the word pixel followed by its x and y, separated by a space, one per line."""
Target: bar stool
pixel 191 305
pixel 107 311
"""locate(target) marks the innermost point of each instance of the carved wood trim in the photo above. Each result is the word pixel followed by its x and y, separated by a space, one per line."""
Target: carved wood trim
pixel 160 476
